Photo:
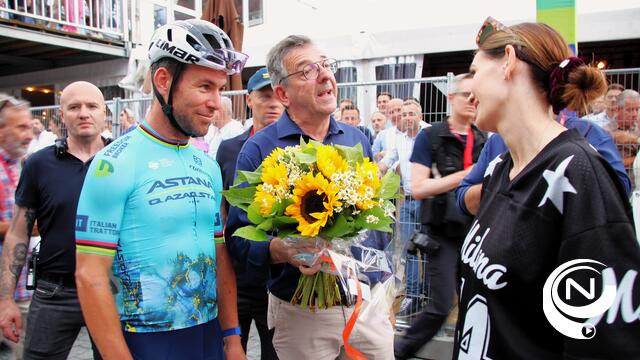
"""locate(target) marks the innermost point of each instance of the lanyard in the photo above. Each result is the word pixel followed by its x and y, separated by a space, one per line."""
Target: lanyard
pixel 563 118
pixel 253 131
pixel 9 172
pixel 468 147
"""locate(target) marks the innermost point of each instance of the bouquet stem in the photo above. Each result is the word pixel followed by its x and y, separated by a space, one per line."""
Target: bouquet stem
pixel 317 291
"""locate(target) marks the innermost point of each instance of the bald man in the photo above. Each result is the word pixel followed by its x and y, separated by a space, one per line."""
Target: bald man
pixel 48 193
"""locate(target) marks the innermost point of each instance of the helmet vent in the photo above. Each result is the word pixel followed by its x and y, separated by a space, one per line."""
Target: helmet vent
pixel 169 35
pixel 212 41
pixel 194 43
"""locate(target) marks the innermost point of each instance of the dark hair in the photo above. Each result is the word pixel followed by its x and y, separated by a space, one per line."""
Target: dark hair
pixel 544 49
pixel 615 86
pixel 384 93
pixel 350 107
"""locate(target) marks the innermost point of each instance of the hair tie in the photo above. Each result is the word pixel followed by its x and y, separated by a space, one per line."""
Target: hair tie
pixel 558 77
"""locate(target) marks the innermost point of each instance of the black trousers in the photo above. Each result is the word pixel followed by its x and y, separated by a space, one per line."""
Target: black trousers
pixel 53 323
pixel 442 269
pixel 249 309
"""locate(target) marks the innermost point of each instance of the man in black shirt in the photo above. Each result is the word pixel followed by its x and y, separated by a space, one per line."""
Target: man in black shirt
pixel 252 295
pixel 48 193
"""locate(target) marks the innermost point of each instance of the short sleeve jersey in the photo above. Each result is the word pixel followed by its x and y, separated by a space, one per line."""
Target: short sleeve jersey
pixel 154 205
pixel 565 205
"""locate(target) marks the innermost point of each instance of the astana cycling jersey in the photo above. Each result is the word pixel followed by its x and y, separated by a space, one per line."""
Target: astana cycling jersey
pixel 154 204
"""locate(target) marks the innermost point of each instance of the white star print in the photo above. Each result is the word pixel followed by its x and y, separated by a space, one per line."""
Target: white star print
pixel 558 185
pixel 492 166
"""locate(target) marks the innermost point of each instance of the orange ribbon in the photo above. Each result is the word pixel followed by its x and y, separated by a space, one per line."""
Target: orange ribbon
pixel 350 350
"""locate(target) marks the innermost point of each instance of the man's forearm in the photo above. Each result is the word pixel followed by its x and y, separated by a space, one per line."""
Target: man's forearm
pixel 472 198
pixel 430 187
pixel 14 250
pixel 100 313
pixel 226 284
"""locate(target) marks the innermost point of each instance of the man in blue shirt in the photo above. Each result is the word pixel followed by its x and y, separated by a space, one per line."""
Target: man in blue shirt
pixel 468 192
pixel 252 295
pixel 303 80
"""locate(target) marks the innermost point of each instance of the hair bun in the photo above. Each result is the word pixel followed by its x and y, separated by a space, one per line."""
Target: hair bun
pixel 584 84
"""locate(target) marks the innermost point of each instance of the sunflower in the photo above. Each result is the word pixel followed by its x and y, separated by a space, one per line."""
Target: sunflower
pixel 273 159
pixel 314 199
pixel 329 161
pixel 265 199
pixel 275 175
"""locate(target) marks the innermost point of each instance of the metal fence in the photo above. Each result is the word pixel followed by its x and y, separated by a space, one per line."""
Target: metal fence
pixel 429 92
pixel 94 18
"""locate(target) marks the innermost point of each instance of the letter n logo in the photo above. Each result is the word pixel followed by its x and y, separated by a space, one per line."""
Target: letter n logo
pixel 104 168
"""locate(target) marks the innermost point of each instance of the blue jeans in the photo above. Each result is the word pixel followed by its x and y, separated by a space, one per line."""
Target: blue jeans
pixel 53 323
pixel 408 226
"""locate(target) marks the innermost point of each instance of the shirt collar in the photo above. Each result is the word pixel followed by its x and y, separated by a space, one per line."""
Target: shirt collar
pixel 286 127
pixel 6 158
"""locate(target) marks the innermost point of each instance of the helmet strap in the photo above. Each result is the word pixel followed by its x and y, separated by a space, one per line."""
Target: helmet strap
pixel 167 108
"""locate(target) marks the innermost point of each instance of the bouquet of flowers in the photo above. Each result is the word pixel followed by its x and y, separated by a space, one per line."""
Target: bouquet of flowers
pixel 312 194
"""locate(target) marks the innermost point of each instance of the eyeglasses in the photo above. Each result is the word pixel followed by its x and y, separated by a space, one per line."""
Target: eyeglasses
pixel 311 71
pixel 464 94
pixel 10 100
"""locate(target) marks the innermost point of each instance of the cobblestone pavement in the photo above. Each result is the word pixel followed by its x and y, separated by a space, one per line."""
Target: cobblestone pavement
pixel 82 348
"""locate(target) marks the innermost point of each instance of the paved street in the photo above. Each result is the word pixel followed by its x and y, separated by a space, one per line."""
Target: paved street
pixel 82 348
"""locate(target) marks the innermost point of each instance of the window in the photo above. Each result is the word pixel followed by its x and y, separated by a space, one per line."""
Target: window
pixel 159 16
pixel 181 16
pixel 396 71
pixel 255 12
pixel 346 73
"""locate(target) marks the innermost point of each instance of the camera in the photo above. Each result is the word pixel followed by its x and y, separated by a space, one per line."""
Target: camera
pixel 423 243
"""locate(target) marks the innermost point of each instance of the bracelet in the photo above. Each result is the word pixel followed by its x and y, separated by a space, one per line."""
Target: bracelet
pixel 231 332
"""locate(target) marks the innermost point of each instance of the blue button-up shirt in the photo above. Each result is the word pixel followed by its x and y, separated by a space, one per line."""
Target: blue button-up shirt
pixel 495 146
pixel 283 278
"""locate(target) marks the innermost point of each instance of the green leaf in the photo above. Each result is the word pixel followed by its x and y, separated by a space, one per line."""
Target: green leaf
pixel 339 228
pixel 384 223
pixel 251 233
pixel 238 196
pixel 306 158
pixel 253 213
pixel 250 177
pixel 353 154
pixel 389 185
pixel 266 225
pixel 283 233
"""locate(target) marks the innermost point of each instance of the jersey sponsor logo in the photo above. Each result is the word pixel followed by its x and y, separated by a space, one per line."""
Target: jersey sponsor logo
pixel 103 227
pixel 179 181
pixel 176 51
pixel 218 222
pixel 103 169
pixel 569 293
pixel 116 148
pixel 472 255
pixel 180 196
pixel 81 222
pixel 197 169
pixel 197 160
pixel 154 165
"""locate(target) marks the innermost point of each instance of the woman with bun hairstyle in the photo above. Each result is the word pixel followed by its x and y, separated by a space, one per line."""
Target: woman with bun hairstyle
pixel 553 232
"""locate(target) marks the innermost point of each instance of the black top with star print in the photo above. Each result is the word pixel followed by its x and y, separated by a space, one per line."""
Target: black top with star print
pixel 566 204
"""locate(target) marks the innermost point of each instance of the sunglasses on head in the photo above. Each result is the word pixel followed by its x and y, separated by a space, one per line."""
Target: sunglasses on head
pixel 492 26
pixel 488 28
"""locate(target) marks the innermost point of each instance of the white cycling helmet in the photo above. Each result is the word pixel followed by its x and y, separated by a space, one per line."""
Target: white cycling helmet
pixel 196 42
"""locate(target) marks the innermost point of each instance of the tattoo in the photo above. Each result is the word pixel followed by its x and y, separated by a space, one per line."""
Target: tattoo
pixel 30 216
pixel 19 256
